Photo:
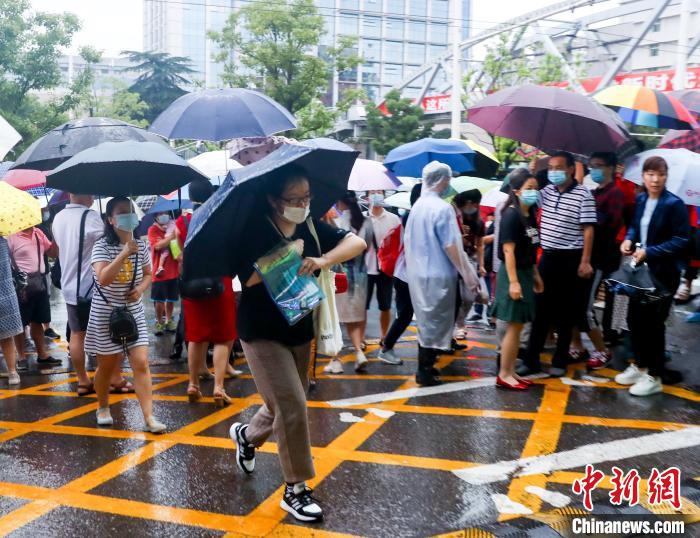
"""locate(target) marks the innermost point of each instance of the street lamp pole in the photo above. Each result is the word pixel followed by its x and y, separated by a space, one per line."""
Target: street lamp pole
pixel 682 47
pixel 456 37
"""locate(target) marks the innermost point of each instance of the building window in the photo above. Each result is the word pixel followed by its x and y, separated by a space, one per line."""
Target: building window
pixel 373 6
pixel 438 33
pixel 416 30
pixel 372 92
pixel 656 27
pixel 395 7
pixel 350 4
pixel 371 51
pixel 435 51
pixel 348 24
pixel 392 74
pixel 415 53
pixel 349 75
pixel 393 28
pixel 370 72
pixel 418 8
pixel 654 49
pixel 393 51
pixel 370 26
pixel 440 9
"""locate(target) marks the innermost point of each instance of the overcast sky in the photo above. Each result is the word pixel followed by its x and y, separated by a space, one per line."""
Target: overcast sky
pixel 116 25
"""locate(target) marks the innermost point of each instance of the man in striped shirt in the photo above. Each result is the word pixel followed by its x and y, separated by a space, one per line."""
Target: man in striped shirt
pixel 566 236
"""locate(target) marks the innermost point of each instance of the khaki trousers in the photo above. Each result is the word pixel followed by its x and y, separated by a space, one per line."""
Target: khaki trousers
pixel 281 377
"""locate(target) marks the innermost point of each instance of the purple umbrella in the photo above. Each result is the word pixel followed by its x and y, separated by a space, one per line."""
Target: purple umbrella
pixel 372 176
pixel 550 118
pixel 690 99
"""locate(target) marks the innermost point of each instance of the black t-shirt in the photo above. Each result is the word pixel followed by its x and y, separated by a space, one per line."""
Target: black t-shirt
pixel 473 230
pixel 258 316
pixel 512 230
pixel 488 249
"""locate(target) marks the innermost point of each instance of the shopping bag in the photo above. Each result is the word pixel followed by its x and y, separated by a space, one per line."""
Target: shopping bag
pixel 329 338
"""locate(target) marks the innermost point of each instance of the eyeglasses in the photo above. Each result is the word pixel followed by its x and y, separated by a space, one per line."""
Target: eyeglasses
pixel 304 200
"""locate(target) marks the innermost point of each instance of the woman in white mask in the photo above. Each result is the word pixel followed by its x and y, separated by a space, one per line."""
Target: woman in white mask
pixel 278 353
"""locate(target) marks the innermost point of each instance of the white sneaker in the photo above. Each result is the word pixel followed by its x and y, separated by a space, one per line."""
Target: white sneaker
pixel 458 333
pixel 334 367
pixel 683 292
pixel 154 425
pixel 389 357
pixel 13 378
pixel 104 417
pixel 360 362
pixel 646 386
pixel 630 376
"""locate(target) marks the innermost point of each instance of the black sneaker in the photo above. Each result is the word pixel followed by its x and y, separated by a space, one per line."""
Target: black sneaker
pixel 49 361
pixel 456 346
pixel 245 452
pixel 23 365
pixel 301 505
pixel 428 379
pixel 51 334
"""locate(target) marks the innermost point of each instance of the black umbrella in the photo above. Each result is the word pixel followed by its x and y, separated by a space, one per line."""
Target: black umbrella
pixel 233 208
pixel 124 168
pixel 61 143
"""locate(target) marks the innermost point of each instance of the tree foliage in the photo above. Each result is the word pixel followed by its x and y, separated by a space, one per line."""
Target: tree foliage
pixel 160 80
pixel 403 123
pixel 273 49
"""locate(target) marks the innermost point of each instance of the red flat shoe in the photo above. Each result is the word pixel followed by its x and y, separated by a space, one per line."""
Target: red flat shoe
pixel 526 381
pixel 503 385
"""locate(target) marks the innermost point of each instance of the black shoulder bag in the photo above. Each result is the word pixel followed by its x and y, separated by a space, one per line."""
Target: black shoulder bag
pixel 83 303
pixel 199 288
pixel 28 285
pixel 122 324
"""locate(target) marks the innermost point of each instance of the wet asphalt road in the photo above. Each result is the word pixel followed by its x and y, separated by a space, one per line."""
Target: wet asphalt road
pixel 405 464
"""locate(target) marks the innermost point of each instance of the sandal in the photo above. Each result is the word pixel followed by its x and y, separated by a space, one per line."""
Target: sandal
pixel 84 390
pixel 206 374
pixel 221 399
pixel 193 393
pixel 124 387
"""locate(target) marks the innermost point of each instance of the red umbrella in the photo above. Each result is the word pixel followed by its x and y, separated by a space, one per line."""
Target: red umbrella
pixel 689 140
pixel 25 179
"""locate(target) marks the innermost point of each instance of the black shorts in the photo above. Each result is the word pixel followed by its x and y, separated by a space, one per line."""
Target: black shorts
pixel 78 317
pixel 385 288
pixel 165 291
pixel 37 309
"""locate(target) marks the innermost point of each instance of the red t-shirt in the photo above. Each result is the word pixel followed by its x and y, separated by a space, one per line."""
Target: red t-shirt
pixel 171 266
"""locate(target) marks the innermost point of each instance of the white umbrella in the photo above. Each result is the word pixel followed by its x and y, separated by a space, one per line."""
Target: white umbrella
pixel 214 164
pixel 683 172
pixel 402 200
pixel 8 137
pixel 493 198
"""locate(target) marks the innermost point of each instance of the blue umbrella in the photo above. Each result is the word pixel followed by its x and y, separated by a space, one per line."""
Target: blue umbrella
pixel 409 159
pixel 234 208
pixel 223 114
pixel 173 204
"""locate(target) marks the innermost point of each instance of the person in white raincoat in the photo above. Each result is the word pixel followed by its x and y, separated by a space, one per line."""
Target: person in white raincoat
pixel 434 259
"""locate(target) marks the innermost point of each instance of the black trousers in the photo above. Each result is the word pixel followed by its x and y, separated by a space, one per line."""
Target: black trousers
pixel 561 305
pixel 647 325
pixel 404 314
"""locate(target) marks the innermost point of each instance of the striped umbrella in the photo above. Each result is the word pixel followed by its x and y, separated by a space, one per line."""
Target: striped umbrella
pixel 690 99
pixel 639 105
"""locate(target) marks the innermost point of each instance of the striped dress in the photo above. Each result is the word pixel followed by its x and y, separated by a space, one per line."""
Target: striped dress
pixel 97 338
pixel 10 320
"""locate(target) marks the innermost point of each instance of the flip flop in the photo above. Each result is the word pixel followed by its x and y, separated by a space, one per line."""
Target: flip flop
pixel 125 387
pixel 85 390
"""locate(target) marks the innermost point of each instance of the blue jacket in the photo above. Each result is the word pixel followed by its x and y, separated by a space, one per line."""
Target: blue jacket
pixel 668 236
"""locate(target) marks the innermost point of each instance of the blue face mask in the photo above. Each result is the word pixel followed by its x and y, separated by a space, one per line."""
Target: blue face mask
pixel 556 177
pixel 127 222
pixel 597 175
pixel 529 197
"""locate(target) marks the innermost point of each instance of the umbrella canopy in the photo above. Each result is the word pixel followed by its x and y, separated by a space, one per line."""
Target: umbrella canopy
pixel 226 216
pixel 494 198
pixel 402 200
pixel 372 176
pixel 551 118
pixel 69 139
pixel 410 159
pixel 8 137
pixel 689 140
pixel 640 105
pixel 169 204
pixel 18 210
pixel 214 164
pixel 466 183
pixel 249 150
pixel 683 172
pixel 25 179
pixel 690 99
pixel 485 162
pixel 124 168
pixel 223 114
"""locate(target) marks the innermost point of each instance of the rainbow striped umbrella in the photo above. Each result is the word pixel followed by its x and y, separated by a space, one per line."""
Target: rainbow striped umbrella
pixel 639 105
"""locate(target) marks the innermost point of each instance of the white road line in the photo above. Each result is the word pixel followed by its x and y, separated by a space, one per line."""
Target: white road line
pixel 578 457
pixel 556 499
pixel 506 505
pixel 420 391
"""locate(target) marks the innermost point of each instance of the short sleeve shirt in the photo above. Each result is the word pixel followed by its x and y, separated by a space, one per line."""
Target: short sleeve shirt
pixel 258 316
pixel 118 290
pixel 23 248
pixel 475 230
pixel 563 216
pixel 513 230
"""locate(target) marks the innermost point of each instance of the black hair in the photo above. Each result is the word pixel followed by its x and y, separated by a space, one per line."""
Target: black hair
pixel 110 234
pixel 472 195
pixel 542 178
pixel 357 219
pixel 278 180
pixel 570 161
pixel 609 157
pixel 656 164
pixel 517 184
pixel 520 171
pixel 200 191
pixel 416 192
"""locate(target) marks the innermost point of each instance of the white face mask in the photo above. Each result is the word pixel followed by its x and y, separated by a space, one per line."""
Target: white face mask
pixel 297 215
pixel 376 199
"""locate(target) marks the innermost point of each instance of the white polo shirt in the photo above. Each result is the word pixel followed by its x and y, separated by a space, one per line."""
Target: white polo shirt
pixel 66 233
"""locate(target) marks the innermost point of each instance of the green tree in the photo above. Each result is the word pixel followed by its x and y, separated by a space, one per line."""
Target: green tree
pixel 403 123
pixel 272 50
pixel 82 97
pixel 160 80
pixel 30 46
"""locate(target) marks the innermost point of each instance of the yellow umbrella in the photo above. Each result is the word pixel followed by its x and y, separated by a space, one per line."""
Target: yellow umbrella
pixel 19 210
pixel 484 151
pixel 485 162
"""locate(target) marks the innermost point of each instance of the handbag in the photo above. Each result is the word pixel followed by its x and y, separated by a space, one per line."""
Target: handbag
pixel 329 338
pixel 636 282
pixel 198 289
pixel 123 328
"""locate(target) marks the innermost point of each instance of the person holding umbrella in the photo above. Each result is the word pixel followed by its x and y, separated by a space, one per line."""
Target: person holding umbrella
pixel 278 354
pixel 122 268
